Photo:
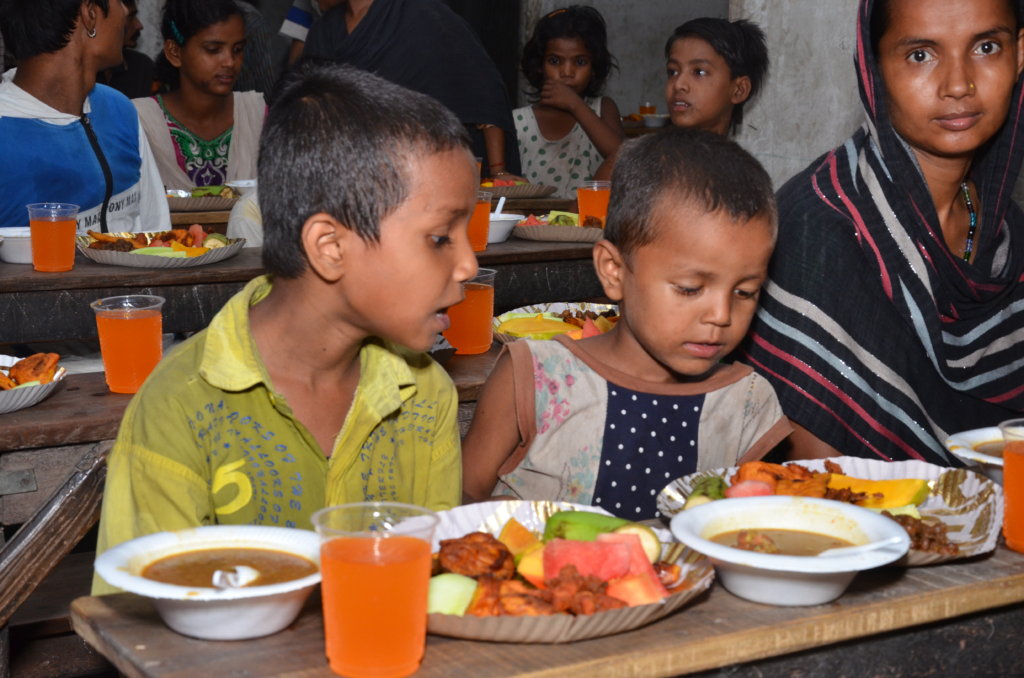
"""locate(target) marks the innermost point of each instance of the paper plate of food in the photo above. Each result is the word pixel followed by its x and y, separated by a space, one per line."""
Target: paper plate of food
pixel 506 188
pixel 556 227
pixel 177 248
pixel 554 572
pixel 202 199
pixel 545 321
pixel 980 448
pixel 26 381
pixel 948 513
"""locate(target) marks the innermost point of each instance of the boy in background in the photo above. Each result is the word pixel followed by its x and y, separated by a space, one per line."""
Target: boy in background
pixel 612 419
pixel 310 387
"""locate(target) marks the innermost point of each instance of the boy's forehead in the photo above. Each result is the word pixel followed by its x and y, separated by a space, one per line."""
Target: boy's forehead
pixel 683 215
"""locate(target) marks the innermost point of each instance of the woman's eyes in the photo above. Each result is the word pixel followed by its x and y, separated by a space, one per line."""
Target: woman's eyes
pixel 989 47
pixel 919 56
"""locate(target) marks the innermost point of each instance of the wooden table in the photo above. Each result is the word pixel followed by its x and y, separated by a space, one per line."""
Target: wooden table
pixel 717 630
pixel 38 307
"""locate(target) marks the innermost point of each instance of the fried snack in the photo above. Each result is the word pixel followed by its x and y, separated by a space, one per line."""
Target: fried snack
pixel 118 245
pixel 815 486
pixel 6 383
pixel 39 367
pixel 519 600
pixel 485 598
pixel 477 554
pixel 103 237
pixel 925 535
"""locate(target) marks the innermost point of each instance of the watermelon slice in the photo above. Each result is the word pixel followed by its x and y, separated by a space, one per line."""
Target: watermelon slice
pixel 749 488
pixel 641 585
pixel 606 560
pixel 198 234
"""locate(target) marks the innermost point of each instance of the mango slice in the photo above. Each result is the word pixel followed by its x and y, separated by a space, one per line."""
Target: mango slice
pixel 894 493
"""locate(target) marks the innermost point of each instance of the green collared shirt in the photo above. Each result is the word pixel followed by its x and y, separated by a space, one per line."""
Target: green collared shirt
pixel 208 441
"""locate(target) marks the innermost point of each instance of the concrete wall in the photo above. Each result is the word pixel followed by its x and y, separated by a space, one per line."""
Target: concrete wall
pixel 810 102
pixel 637 32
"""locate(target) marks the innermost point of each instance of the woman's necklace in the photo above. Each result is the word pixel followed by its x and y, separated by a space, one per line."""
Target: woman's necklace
pixel 973 228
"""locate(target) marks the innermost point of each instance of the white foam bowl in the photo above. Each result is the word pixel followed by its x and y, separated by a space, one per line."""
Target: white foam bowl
pixel 242 186
pixel 16 247
pixel 967 446
pixel 788 580
pixel 501 227
pixel 655 119
pixel 209 613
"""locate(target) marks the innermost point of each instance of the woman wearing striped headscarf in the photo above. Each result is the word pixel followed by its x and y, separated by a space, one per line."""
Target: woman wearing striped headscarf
pixel 895 310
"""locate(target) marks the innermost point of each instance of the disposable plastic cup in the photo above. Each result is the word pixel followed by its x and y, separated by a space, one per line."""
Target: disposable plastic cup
pixel 480 221
pixel 130 330
pixel 592 197
pixel 648 108
pixel 470 319
pixel 375 569
pixel 1013 483
pixel 52 227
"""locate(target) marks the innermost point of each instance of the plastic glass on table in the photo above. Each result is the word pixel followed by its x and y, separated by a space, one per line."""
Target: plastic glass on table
pixel 375 569
pixel 53 226
pixel 470 328
pixel 480 221
pixel 592 197
pixel 1013 483
pixel 131 343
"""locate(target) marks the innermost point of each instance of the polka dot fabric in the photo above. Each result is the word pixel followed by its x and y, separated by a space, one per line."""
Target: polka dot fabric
pixel 649 440
pixel 563 163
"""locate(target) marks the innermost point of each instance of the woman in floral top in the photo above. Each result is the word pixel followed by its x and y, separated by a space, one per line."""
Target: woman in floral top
pixel 202 133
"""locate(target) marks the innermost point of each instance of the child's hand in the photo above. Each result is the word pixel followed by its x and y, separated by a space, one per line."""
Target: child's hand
pixel 559 95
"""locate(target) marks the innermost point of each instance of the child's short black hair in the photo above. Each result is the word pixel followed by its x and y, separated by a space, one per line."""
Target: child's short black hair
pixel 575 21
pixel 340 140
pixel 41 26
pixel 683 164
pixel 741 43
pixel 184 18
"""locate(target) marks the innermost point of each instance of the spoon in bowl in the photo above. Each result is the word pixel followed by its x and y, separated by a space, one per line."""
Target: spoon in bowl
pixel 497 210
pixel 863 548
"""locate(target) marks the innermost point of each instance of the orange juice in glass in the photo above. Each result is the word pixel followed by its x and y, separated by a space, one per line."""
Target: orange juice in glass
pixel 375 568
pixel 52 226
pixel 592 197
pixel 1013 483
pixel 470 319
pixel 131 343
pixel 480 221
pixel 648 108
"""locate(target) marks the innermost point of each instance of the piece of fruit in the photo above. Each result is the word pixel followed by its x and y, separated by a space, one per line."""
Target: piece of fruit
pixel 160 252
pixel 450 593
pixel 556 218
pixel 189 251
pixel 215 240
pixel 535 326
pixel 590 329
pixel 883 493
pixel 27 383
pixel 605 560
pixel 580 525
pixel 517 538
pixel 910 510
pixel 749 488
pixel 604 323
pixel 531 566
pixel 198 234
pixel 639 589
pixel 649 541
pixel 697 500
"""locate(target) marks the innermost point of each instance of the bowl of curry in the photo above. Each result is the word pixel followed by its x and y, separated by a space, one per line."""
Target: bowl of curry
pixel 219 582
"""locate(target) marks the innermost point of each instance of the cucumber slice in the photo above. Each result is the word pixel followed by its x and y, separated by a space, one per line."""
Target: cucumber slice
pixel 648 539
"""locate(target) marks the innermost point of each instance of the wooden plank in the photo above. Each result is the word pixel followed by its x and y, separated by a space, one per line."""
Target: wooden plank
pixel 718 630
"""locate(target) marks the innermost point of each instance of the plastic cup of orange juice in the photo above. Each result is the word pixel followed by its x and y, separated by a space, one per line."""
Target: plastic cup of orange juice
pixel 592 197
pixel 1013 483
pixel 52 227
pixel 131 338
pixel 375 569
pixel 470 319
pixel 648 108
pixel 480 221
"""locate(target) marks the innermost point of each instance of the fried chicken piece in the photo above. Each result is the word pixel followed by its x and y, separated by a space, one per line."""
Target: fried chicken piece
pixel 846 495
pixel 519 600
pixel 119 245
pixel 6 383
pixel 588 602
pixel 567 588
pixel 39 367
pixel 477 554
pixel 815 486
pixel 833 467
pixel 485 601
pixel 752 540
pixel 103 237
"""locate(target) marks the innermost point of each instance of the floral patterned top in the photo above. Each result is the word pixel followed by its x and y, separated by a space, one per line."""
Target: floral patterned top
pixel 591 434
pixel 204 161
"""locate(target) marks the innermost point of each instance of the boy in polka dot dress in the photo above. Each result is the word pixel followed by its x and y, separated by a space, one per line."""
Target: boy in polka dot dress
pixel 612 419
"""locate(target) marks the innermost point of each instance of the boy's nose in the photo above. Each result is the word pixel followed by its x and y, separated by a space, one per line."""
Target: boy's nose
pixel 718 311
pixel 465 263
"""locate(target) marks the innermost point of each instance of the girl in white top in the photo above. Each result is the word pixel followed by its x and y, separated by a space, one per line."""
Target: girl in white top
pixel 570 131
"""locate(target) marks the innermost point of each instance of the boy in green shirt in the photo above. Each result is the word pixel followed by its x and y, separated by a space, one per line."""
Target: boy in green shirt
pixel 310 387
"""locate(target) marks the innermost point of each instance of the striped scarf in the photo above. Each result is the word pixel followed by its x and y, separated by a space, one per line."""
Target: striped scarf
pixel 877 338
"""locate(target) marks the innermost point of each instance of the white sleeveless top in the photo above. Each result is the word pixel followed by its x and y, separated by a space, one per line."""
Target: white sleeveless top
pixel 562 163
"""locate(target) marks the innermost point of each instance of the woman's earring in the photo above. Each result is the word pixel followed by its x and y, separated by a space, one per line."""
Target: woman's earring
pixel 92 34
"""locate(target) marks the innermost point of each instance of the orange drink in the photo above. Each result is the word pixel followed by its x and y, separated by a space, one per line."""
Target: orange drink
pixel 480 222
pixel 130 332
pixel 648 108
pixel 52 226
pixel 1013 483
pixel 470 328
pixel 375 567
pixel 592 197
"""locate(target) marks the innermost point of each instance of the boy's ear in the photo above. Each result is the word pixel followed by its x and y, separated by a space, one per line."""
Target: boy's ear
pixel 740 90
pixel 327 243
pixel 610 267
pixel 172 51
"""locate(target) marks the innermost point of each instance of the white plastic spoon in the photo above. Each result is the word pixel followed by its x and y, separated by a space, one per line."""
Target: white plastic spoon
pixel 501 203
pixel 863 548
pixel 241 576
